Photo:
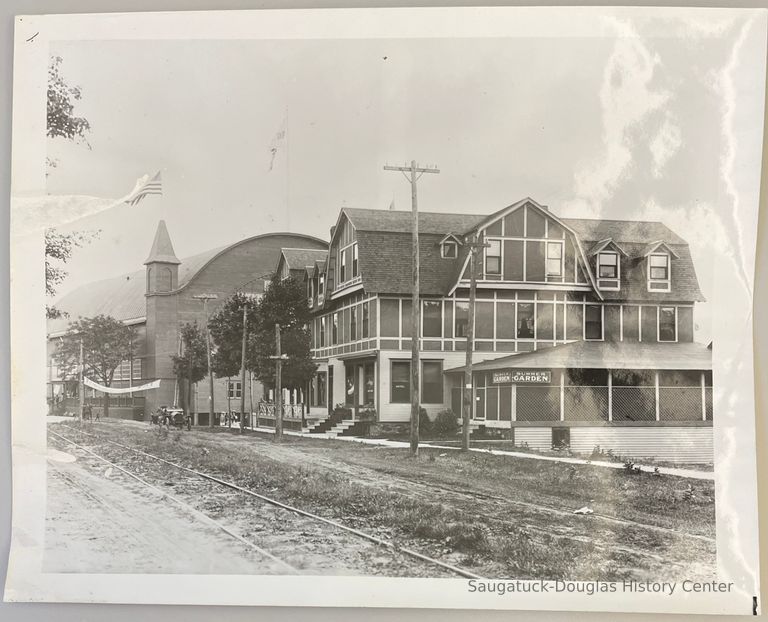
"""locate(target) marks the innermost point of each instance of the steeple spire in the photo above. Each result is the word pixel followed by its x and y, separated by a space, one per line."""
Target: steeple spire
pixel 162 249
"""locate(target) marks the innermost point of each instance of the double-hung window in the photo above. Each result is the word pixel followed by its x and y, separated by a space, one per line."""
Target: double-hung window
pixel 608 270
pixel 493 257
pixel 554 259
pixel 342 267
pixel 400 382
pixel 593 322
pixel 667 324
pixel 354 261
pixel 658 272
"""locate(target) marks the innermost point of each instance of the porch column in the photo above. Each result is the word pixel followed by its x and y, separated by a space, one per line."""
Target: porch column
pixel 513 417
pixel 562 395
pixel 610 395
pixel 703 397
pixel 656 387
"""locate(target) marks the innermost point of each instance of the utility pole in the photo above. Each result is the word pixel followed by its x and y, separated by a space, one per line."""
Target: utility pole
pixel 466 413
pixel 205 298
pixel 278 358
pixel 81 387
pixel 415 175
pixel 242 369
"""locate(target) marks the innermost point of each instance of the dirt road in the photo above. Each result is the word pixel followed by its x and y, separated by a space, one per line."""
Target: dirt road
pixel 103 524
pixel 101 520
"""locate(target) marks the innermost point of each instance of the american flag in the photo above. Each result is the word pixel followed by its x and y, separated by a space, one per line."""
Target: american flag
pixel 145 186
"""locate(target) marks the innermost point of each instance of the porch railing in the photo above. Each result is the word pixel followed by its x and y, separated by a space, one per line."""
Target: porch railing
pixel 290 411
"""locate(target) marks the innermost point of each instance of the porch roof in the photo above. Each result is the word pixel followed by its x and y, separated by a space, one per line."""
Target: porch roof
pixel 605 355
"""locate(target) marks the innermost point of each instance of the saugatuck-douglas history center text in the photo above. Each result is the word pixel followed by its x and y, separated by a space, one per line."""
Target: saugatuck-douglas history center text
pixel 667 588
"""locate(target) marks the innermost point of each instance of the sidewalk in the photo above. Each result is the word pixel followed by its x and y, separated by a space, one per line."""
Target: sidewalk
pixel 382 442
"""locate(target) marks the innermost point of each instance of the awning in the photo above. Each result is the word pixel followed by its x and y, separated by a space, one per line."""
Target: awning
pixel 605 355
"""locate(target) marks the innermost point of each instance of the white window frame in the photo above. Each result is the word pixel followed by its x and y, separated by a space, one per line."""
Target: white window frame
pixel 617 278
pixel 547 259
pixel 355 261
pixel 485 266
pixel 342 266
pixel 658 324
pixel 445 245
pixel 602 322
pixel 668 281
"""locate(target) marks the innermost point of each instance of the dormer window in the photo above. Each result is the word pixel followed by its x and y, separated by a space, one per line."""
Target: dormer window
pixel 608 270
pixel 321 285
pixel 449 249
pixel 658 272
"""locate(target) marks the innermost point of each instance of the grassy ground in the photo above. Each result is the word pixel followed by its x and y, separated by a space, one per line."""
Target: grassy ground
pixel 503 516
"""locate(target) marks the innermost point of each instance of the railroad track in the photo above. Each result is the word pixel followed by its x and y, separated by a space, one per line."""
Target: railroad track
pixel 194 474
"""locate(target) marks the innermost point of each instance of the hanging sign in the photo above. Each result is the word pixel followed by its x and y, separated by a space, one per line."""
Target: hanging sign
pixel 522 376
pixel 99 387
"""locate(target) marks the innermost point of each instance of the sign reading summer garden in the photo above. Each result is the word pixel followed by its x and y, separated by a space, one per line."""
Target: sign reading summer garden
pixel 522 376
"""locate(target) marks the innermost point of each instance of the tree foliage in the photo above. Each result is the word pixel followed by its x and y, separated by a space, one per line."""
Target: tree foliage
pixel 61 119
pixel 58 251
pixel 226 327
pixel 192 365
pixel 283 303
pixel 107 342
pixel 62 123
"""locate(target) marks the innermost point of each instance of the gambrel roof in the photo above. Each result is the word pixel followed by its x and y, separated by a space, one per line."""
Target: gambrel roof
pixel 384 244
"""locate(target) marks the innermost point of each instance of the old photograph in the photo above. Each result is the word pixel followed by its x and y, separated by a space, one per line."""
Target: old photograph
pixel 401 306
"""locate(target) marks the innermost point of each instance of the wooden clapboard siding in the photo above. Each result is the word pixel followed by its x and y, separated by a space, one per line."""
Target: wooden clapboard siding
pixel 673 444
pixel 536 438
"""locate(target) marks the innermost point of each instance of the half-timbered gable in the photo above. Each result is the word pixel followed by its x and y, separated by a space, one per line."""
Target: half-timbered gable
pixel 527 247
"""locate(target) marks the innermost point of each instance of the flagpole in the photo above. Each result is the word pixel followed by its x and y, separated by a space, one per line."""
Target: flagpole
pixel 287 169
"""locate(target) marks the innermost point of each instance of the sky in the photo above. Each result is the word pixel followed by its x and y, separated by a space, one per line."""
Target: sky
pixel 622 126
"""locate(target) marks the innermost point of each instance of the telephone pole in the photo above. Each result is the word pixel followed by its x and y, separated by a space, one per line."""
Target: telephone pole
pixel 205 298
pixel 81 387
pixel 466 412
pixel 278 358
pixel 415 175
pixel 242 369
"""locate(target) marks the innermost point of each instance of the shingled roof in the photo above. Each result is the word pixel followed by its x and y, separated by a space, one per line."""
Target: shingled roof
pixel 605 355
pixel 385 252
pixel 390 221
pixel 300 258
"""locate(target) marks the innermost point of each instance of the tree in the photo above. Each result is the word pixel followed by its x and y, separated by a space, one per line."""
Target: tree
pixel 58 250
pixel 62 123
pixel 284 303
pixel 192 365
pixel 107 342
pixel 226 327
pixel 61 120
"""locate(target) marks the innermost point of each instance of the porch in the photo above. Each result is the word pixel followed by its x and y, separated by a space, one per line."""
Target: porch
pixel 592 384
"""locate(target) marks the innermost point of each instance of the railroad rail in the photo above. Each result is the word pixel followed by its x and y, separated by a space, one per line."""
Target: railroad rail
pixel 351 530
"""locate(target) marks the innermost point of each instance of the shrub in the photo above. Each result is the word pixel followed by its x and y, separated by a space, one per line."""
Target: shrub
pixel 425 425
pixel 445 423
